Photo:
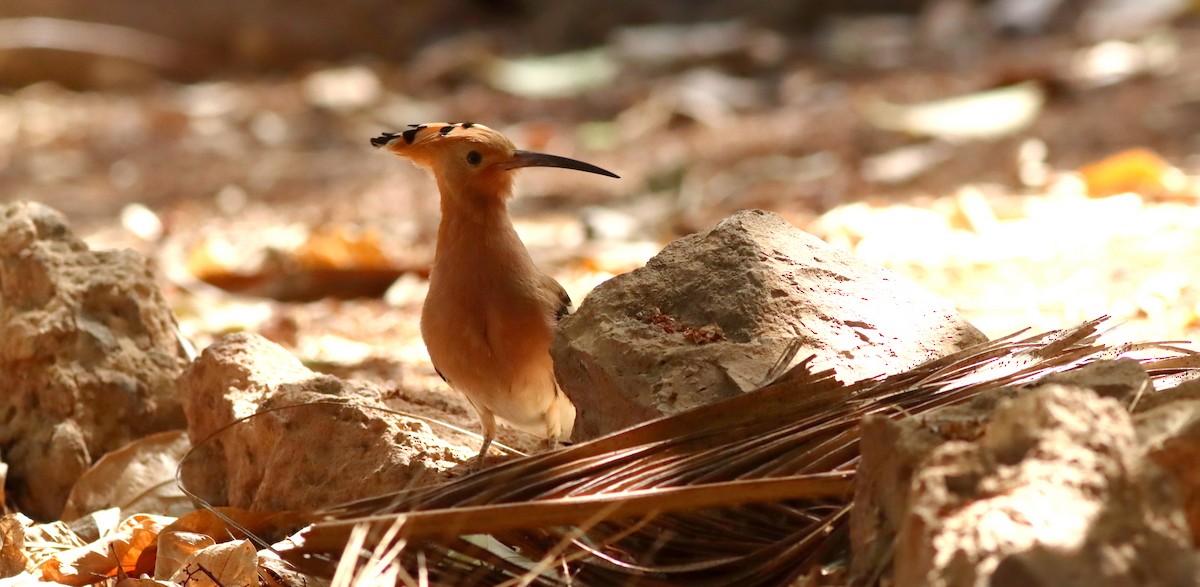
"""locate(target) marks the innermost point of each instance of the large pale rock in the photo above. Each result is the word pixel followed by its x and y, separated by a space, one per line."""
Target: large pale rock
pixel 707 317
pixel 1044 487
pixel 88 355
pixel 1169 430
pixel 299 457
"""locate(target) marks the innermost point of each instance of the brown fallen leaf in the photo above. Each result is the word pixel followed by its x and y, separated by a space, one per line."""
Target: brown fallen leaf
pixel 220 565
pixel 275 572
pixel 104 558
pixel 44 541
pixel 1138 170
pixel 339 261
pixel 174 548
pixel 12 546
pixel 341 247
pixel 139 476
pixel 552 76
pixel 270 526
pixel 986 115
pixel 93 525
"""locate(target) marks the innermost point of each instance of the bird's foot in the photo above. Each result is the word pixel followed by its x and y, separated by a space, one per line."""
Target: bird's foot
pixel 481 458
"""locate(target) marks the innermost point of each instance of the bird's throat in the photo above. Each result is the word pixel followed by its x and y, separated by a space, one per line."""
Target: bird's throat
pixel 483 232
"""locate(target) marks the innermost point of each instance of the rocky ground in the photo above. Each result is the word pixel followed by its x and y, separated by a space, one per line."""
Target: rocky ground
pixel 1031 182
pixel 266 187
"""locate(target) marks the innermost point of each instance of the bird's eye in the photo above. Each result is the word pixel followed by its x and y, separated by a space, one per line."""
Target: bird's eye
pixel 474 157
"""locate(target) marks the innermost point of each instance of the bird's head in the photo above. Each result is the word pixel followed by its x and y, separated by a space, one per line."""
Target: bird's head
pixel 471 160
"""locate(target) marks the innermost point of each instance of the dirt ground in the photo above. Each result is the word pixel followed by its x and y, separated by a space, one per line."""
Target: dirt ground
pixel 267 210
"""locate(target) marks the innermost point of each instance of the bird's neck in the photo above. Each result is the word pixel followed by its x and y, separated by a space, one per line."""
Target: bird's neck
pixel 479 226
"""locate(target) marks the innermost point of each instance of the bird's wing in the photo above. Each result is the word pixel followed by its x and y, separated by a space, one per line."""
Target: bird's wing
pixel 558 296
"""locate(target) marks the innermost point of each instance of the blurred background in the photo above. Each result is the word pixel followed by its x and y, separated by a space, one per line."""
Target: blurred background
pixel 1034 161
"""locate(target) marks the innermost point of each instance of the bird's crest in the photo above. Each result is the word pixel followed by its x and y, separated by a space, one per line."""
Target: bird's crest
pixel 432 131
pixel 439 144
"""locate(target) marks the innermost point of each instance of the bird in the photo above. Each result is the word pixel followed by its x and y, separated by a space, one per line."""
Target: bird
pixel 490 313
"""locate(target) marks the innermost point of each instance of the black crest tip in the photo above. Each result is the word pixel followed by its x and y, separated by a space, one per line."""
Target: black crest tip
pixel 383 139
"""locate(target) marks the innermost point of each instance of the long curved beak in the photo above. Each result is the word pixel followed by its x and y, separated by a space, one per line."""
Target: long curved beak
pixel 533 159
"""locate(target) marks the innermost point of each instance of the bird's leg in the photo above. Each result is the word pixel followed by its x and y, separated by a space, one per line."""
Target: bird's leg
pixel 488 420
pixel 553 430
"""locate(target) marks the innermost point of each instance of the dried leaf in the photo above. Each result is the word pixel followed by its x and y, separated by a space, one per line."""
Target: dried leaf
pixel 344 88
pixel 343 247
pixel 985 115
pixel 99 523
pixel 275 572
pixel 142 221
pixel 143 530
pixel 905 163
pixel 13 559
pixel 556 76
pixel 43 541
pixel 174 548
pixel 300 263
pixel 1114 61
pixel 104 558
pixel 232 523
pixel 139 476
pixel 1140 171
pixel 220 565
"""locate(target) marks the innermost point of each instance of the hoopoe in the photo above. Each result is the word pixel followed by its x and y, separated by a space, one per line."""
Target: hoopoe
pixel 489 316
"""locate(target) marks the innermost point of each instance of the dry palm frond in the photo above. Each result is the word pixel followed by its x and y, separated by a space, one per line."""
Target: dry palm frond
pixel 754 490
pixel 379 567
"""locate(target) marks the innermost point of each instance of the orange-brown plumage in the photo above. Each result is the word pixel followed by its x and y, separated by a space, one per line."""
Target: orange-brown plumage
pixel 490 312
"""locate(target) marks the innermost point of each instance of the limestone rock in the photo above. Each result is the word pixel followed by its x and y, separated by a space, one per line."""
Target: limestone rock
pixel 341 448
pixel 707 317
pixel 1049 488
pixel 1122 379
pixel 1170 434
pixel 88 355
